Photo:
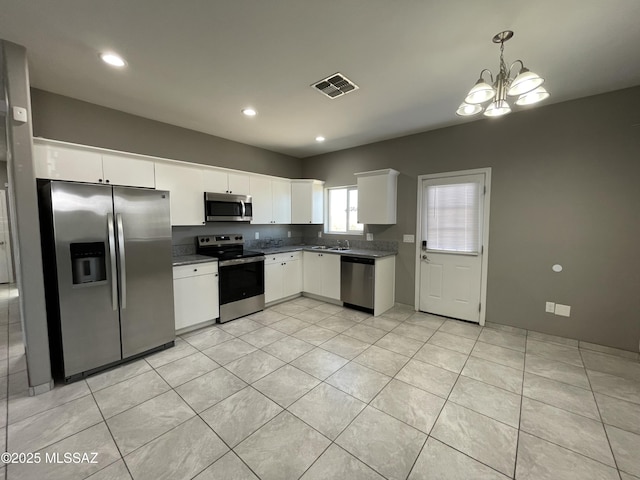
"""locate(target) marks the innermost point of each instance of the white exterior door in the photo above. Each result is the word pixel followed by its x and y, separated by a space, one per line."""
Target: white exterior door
pixel 451 249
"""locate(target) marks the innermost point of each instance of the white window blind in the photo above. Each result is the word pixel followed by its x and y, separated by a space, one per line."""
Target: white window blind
pixel 343 211
pixel 453 217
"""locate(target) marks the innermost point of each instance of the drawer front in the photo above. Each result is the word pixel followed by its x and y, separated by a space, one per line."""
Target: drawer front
pixel 282 257
pixel 194 270
pixel 291 256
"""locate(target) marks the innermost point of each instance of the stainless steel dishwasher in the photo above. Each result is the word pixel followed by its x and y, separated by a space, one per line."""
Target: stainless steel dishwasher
pixel 357 276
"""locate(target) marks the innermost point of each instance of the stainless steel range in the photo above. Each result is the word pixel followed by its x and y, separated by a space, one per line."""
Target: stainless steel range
pixel 241 274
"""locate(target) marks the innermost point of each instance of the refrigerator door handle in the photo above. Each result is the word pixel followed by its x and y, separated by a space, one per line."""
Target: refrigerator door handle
pixel 123 269
pixel 112 257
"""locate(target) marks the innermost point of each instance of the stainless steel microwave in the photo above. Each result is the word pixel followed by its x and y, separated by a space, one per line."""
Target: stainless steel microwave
pixel 225 207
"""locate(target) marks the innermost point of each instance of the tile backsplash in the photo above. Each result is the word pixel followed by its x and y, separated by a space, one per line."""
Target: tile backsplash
pixel 184 242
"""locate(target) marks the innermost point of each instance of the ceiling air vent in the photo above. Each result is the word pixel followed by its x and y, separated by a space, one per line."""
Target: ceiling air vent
pixel 335 85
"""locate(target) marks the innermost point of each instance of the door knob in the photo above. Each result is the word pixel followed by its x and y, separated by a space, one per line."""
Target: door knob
pixel 424 257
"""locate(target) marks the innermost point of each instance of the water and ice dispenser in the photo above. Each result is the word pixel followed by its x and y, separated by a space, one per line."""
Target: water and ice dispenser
pixel 88 262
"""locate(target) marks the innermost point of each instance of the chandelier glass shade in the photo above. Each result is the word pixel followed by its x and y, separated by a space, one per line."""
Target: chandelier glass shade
pixel 492 96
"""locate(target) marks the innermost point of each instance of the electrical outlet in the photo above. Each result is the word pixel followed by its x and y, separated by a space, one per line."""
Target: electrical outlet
pixel 563 310
pixel 369 237
pixel 408 238
pixel 550 307
pixel 320 234
pixel 257 236
pixel 288 234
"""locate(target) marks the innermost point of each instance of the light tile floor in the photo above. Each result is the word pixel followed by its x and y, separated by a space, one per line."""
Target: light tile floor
pixel 314 391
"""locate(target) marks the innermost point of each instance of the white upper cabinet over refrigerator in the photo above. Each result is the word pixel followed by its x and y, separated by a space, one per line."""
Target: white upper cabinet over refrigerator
pixel 377 196
pixel 307 199
pixel 219 181
pixel 57 161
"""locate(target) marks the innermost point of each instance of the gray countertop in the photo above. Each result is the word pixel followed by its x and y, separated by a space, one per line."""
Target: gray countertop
pixel 356 252
pixel 191 259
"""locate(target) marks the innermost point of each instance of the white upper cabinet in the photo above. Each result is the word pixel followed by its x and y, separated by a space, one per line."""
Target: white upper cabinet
pixel 377 196
pixel 271 200
pixel 63 163
pixel 239 183
pixel 123 170
pixel 219 181
pixel 281 201
pixel 187 192
pixel 307 199
pixel 261 200
pixel 77 164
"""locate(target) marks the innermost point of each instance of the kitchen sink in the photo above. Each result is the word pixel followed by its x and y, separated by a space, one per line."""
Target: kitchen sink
pixel 340 249
pixel 320 247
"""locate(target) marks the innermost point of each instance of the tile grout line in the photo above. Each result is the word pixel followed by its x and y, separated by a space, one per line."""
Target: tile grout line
pixel 606 434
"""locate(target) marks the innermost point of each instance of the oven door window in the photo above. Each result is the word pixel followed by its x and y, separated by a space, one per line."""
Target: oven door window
pixel 238 282
pixel 223 209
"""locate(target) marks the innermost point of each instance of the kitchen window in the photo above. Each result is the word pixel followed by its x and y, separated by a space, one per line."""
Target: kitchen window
pixel 342 211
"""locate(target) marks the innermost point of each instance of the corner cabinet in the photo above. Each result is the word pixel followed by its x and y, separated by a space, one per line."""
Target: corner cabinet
pixel 59 162
pixel 377 196
pixel 195 290
pixel 322 274
pixel 186 192
pixel 307 201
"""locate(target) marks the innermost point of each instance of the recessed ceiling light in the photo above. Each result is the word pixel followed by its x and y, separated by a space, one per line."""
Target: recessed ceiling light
pixel 113 59
pixel 249 112
pixel 320 138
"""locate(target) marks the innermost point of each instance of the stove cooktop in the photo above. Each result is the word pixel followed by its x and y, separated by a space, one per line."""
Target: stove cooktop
pixel 224 247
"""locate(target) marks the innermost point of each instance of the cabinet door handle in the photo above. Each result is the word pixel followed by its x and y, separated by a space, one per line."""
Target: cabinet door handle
pixel 100 180
pixel 195 269
pixel 107 181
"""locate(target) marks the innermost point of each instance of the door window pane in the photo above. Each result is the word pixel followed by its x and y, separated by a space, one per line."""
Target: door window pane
pixel 453 217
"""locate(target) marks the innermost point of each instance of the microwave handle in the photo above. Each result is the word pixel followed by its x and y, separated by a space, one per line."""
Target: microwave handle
pixel 244 209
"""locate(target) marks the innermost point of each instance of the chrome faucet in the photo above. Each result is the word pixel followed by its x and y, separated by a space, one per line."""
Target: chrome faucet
pixel 348 247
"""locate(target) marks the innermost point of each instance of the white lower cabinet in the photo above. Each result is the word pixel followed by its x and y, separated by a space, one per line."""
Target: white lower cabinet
pixel 195 290
pixel 282 276
pixel 322 274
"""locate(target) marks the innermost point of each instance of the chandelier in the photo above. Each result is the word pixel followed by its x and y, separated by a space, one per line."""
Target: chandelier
pixel 525 85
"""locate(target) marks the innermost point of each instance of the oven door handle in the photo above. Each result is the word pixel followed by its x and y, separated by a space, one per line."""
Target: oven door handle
pixel 240 261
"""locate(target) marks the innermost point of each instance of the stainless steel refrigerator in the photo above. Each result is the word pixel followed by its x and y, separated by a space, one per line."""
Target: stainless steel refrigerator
pixel 108 274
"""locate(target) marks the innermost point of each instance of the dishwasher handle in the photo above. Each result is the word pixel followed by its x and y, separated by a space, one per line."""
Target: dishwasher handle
pixel 363 260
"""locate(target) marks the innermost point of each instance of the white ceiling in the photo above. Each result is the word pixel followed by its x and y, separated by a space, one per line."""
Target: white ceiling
pixel 196 63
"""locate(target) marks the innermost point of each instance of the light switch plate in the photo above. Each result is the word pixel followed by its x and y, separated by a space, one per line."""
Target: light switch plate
pixel 409 238
pixel 288 234
pixel 550 307
pixel 369 237
pixel 320 234
pixel 563 310
pixel 257 236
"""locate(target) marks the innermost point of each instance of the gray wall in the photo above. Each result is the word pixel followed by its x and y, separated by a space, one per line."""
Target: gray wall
pixel 564 190
pixel 67 119
pixel 25 227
